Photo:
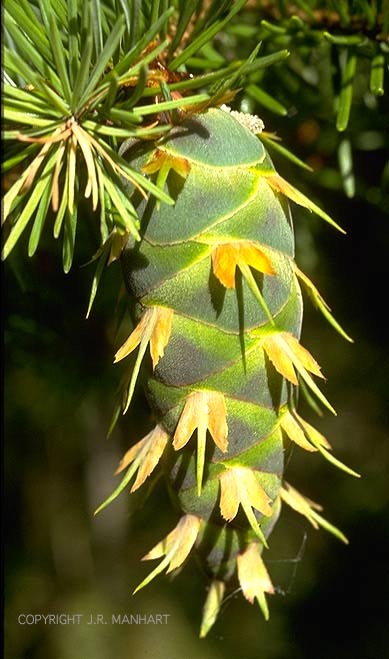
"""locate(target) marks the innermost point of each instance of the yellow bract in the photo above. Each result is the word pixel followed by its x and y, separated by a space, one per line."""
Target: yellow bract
pixel 161 163
pixel 295 432
pixel 288 356
pixel 203 406
pixel 254 578
pixel 226 257
pixel 239 486
pixel 162 160
pixel 175 547
pixel 320 302
pixel 146 453
pixel 280 185
pixel 301 504
pixel 203 410
pixel 302 433
pixel 317 439
pixel 287 353
pixel 155 325
pixel 309 509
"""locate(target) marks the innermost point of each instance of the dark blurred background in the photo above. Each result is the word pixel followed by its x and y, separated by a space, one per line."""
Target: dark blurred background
pixel 60 384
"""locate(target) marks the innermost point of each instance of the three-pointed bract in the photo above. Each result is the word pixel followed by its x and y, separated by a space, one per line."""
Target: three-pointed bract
pixel 253 577
pixel 175 547
pixel 145 454
pixel 280 185
pixel 295 432
pixel 309 509
pixel 142 457
pixel 203 410
pixel 244 254
pixel 154 328
pixel 320 303
pixel 226 257
pixel 288 356
pixel 240 486
pixel 307 437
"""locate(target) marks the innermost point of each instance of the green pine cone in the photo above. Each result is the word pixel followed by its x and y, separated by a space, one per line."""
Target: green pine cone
pixel 219 304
